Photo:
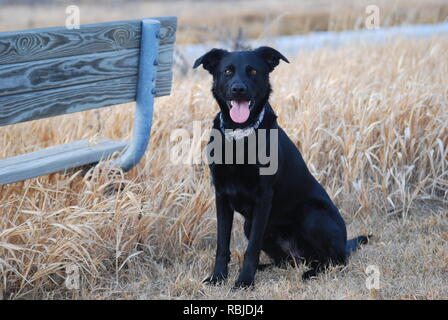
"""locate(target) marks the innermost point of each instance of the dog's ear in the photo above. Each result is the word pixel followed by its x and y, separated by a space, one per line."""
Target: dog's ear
pixel 271 56
pixel 210 60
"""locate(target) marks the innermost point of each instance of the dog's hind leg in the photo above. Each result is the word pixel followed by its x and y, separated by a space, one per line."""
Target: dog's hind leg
pixel 322 240
pixel 272 249
pixel 281 258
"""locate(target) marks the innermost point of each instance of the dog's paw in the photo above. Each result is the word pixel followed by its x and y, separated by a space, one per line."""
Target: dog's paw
pixel 244 283
pixel 215 279
pixel 243 286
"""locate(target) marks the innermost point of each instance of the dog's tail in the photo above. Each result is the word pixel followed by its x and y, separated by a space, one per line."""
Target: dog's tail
pixel 353 244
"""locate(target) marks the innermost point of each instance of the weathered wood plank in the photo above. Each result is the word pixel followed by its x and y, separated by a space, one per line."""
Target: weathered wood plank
pixel 42 104
pixel 56 159
pixel 163 83
pixel 164 75
pixel 41 44
pixel 62 72
pixel 48 103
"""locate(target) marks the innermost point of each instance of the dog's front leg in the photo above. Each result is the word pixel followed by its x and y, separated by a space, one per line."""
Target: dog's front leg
pixel 224 215
pixel 260 219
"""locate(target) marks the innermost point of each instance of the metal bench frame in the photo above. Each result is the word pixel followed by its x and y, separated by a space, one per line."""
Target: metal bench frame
pixel 145 95
pixel 79 153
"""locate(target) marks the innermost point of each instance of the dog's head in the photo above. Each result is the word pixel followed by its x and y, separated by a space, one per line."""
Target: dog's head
pixel 241 81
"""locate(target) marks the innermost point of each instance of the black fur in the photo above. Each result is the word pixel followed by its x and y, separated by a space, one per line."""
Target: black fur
pixel 288 215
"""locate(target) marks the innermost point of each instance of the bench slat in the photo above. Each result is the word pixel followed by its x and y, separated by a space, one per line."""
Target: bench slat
pixel 49 43
pixel 56 159
pixel 62 72
pixel 54 73
pixel 48 103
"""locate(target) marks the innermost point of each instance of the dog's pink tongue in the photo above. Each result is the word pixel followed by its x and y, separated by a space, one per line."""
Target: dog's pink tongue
pixel 240 110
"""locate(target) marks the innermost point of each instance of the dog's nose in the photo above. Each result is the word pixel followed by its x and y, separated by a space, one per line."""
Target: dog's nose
pixel 238 88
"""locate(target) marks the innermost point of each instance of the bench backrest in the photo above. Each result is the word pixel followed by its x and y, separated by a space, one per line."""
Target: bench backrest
pixel 54 71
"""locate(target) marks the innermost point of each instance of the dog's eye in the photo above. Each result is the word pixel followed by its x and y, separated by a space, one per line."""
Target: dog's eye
pixel 228 72
pixel 253 72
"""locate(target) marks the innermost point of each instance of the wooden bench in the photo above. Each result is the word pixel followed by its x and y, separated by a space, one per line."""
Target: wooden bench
pixel 55 71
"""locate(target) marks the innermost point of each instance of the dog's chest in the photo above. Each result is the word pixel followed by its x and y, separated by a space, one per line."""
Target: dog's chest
pixel 239 183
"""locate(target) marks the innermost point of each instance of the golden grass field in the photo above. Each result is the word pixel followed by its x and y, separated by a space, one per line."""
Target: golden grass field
pixel 371 121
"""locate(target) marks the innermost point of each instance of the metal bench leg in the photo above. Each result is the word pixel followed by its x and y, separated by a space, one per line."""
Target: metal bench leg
pixel 145 96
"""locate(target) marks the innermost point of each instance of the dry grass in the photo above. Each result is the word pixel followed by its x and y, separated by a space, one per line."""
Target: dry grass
pixel 371 123
pixel 218 20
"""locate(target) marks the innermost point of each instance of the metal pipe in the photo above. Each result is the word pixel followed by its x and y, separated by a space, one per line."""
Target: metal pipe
pixel 145 95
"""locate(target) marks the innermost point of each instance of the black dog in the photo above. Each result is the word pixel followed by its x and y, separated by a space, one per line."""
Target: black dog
pixel 287 214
